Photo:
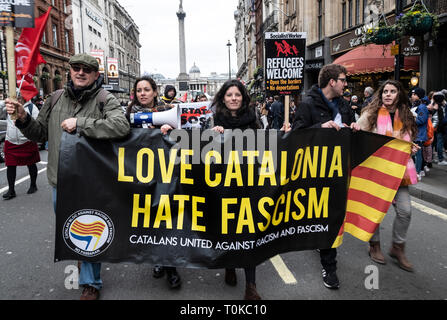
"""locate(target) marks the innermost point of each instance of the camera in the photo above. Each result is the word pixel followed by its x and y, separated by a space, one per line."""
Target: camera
pixel 438 98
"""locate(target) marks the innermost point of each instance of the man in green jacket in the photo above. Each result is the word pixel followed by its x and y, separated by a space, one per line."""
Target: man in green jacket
pixel 82 107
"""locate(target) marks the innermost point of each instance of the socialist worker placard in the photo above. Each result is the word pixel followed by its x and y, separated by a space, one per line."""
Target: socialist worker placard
pixel 284 62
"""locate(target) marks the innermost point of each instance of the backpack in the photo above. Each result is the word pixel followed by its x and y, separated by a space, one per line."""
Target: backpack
pixel 430 133
pixel 101 98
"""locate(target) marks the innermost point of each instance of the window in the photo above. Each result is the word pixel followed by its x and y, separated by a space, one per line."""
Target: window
pixel 349 13
pixel 343 16
pixel 54 29
pixel 365 14
pixel 67 41
pixel 357 12
pixel 320 19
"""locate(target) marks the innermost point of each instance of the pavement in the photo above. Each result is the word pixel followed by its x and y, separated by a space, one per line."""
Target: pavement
pixel 433 187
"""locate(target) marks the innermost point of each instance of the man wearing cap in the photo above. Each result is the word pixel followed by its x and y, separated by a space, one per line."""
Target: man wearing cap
pixel 75 109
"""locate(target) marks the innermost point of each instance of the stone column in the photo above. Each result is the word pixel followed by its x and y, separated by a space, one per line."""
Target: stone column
pixel 181 22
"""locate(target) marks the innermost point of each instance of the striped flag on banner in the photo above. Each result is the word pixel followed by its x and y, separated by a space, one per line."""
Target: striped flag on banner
pixel 372 188
pixel 86 232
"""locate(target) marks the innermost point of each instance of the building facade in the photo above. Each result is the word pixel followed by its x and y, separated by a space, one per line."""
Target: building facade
pixel 336 27
pixel 83 26
pixel 197 84
pixel 89 23
pixel 105 26
pixel 124 42
pixel 57 45
pixel 245 36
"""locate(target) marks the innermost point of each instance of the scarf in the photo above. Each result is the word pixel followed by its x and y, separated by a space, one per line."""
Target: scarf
pixel 243 121
pixel 333 105
pixel 387 128
pixel 137 108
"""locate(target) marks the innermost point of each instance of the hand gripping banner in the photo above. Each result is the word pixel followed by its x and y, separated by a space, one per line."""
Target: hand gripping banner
pixel 200 199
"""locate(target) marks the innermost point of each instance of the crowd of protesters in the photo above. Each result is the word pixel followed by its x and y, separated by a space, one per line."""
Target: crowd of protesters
pixel 327 104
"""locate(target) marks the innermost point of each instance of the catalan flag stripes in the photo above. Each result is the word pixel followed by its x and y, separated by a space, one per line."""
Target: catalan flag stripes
pixel 94 229
pixel 372 188
pixel 86 232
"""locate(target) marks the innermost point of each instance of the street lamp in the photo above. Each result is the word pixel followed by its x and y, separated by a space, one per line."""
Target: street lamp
pixel 398 59
pixel 128 76
pixel 229 60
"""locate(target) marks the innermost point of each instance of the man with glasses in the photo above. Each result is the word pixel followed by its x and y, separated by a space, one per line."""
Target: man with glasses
pixel 82 107
pixel 322 108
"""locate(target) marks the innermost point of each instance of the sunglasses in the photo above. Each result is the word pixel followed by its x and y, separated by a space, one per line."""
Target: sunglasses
pixel 86 70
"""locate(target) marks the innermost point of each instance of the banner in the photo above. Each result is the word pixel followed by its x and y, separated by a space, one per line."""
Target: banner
pixel 28 57
pixel 195 115
pixel 113 71
pixel 201 199
pixel 99 56
pixel 20 15
pixel 284 62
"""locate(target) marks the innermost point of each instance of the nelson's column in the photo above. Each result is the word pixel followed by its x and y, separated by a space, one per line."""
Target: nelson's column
pixel 183 77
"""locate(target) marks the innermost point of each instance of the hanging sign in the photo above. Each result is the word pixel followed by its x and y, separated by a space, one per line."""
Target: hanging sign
pixel 19 14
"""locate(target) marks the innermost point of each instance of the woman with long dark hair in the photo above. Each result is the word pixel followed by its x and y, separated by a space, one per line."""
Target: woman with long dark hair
pixel 233 111
pixel 145 100
pixel 389 114
pixel 232 108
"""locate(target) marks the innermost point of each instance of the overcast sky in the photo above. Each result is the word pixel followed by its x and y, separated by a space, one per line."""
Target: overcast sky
pixel 209 24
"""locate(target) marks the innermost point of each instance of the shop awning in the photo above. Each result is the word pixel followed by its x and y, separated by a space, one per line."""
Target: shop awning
pixel 374 58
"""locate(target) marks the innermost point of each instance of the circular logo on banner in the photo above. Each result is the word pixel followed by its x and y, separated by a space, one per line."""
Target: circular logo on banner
pixel 88 232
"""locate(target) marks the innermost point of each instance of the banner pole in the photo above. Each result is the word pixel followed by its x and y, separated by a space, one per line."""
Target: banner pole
pixel 286 109
pixel 11 65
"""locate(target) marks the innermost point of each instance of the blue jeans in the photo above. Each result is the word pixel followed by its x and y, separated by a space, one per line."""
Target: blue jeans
pixel 440 145
pixel 90 272
pixel 419 157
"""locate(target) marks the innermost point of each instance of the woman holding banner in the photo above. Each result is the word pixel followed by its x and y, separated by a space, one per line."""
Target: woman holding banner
pixel 145 100
pixel 389 114
pixel 233 111
pixel 20 151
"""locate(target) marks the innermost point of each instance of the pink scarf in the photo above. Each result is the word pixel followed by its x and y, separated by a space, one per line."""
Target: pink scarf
pixel 386 127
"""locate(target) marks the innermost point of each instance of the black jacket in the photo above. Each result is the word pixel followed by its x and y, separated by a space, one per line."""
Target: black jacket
pixel 277 110
pixel 247 120
pixel 313 111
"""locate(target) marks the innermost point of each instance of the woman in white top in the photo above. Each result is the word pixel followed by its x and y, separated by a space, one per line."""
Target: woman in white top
pixel 19 151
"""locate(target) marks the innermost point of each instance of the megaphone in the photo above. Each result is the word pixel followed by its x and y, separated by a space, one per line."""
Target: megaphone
pixel 170 117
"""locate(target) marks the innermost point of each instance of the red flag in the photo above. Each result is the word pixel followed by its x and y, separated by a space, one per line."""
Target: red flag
pixel 28 56
pixel 185 96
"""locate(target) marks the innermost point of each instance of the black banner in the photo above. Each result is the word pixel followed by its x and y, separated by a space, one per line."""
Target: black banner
pixel 20 15
pixel 201 199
